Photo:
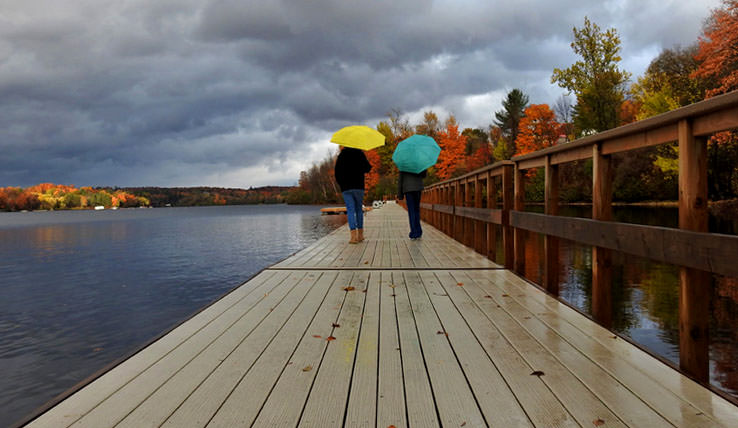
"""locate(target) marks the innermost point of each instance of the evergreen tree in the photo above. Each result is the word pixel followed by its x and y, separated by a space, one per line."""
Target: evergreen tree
pixel 508 119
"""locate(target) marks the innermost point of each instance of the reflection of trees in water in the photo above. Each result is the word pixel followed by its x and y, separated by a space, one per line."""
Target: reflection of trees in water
pixel 659 284
pixel 724 335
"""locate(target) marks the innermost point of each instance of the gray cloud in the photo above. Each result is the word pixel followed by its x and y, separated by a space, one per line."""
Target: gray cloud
pixel 241 93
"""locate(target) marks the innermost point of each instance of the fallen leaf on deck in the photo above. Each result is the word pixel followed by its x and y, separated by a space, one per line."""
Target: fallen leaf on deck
pixel 537 373
pixel 598 422
pixel 391 426
pixel 393 294
pixel 460 284
pixel 392 285
pixel 526 318
pixel 505 295
pixel 336 325
pixel 366 262
pixel 463 425
pixel 329 338
pixel 317 336
pixel 364 290
pixel 441 332
pixel 614 337
pixel 487 297
pixel 349 288
pixel 307 368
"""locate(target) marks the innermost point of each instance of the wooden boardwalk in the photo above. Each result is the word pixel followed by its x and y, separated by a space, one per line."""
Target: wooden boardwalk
pixel 390 332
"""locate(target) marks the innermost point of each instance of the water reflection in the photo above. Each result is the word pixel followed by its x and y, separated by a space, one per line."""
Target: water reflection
pixel 646 293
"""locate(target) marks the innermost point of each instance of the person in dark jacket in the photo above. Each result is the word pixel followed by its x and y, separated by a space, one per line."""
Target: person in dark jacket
pixel 351 166
pixel 410 186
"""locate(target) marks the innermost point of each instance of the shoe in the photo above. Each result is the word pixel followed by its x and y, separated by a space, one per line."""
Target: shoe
pixel 360 237
pixel 354 237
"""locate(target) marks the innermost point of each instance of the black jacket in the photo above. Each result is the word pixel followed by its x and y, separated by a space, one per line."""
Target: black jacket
pixel 351 166
pixel 409 182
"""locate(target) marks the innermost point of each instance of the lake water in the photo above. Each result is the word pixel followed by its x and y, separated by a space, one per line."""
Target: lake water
pixel 80 289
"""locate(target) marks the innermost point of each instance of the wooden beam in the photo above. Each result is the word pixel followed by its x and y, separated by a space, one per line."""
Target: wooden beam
pixel 717 121
pixel 575 154
pixel 480 228
pixel 519 260
pixel 601 257
pixel 711 252
pixel 551 243
pixel 535 162
pixel 508 240
pixel 491 229
pixel 651 137
pixel 694 285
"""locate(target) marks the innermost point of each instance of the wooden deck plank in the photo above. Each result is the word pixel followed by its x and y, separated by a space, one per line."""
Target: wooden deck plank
pixel 391 389
pixel 421 407
pixel 111 410
pixel 670 401
pixel 254 382
pixel 580 402
pixel 542 407
pixel 326 404
pixel 82 402
pixel 454 399
pixel 285 403
pixel 497 402
pixel 213 374
pixel 362 405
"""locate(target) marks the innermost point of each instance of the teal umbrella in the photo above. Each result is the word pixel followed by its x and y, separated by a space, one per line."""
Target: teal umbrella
pixel 416 154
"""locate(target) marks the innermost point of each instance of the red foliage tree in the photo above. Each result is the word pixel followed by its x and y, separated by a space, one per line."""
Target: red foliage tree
pixel 718 50
pixel 453 145
pixel 538 129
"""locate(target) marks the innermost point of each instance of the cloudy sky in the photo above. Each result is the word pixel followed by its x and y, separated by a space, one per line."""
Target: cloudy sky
pixel 239 93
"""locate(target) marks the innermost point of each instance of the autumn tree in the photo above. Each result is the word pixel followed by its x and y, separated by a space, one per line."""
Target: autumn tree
pixel 538 129
pixel 453 144
pixel 717 53
pixel 596 80
pixel 508 119
pixel 430 125
pixel 717 58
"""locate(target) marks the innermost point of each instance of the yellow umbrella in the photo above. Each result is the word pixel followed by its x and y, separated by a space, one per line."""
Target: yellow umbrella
pixel 358 137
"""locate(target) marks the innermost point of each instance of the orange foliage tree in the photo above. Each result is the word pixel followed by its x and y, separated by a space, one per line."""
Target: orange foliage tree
pixel 538 129
pixel 453 145
pixel 718 50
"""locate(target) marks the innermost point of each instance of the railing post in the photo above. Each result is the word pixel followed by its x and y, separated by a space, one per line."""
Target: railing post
pixel 508 241
pixel 601 258
pixel 694 285
pixel 550 243
pixel 458 224
pixel 480 238
pixel 519 233
pixel 491 204
pixel 468 223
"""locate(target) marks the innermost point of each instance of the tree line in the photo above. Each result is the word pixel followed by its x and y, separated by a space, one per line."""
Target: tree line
pixel 49 196
pixel 600 95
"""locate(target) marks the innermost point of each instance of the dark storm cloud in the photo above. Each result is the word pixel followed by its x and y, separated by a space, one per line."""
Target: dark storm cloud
pixel 240 93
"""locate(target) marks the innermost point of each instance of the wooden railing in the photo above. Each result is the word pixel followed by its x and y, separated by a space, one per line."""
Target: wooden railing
pixel 467 207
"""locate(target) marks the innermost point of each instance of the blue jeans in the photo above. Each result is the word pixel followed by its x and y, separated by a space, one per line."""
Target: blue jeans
pixel 354 198
pixel 413 211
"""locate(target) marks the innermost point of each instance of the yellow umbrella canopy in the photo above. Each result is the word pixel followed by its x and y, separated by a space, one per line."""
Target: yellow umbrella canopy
pixel 358 137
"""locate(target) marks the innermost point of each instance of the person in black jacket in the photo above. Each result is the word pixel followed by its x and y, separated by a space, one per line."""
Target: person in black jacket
pixel 351 166
pixel 410 186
